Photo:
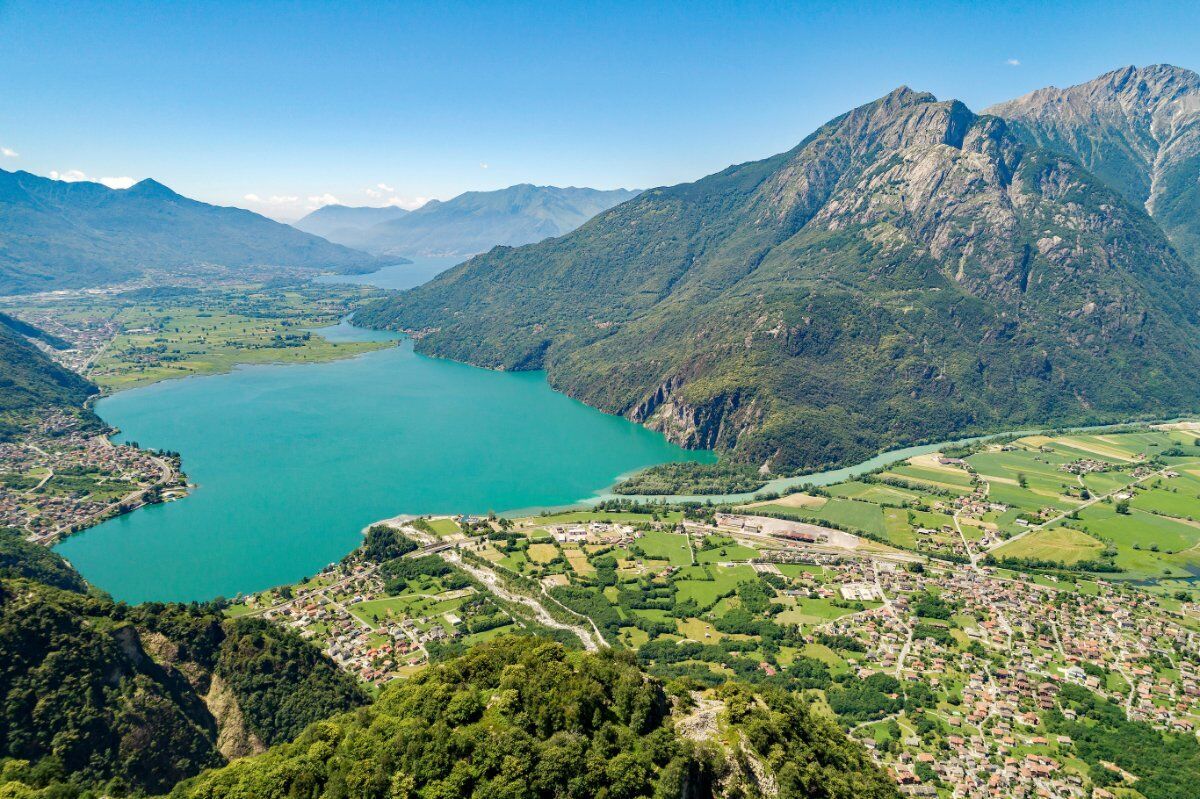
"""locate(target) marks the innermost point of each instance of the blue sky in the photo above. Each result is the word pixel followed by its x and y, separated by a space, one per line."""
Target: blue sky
pixel 374 103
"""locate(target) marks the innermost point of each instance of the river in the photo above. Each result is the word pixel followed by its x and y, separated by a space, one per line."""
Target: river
pixel 291 462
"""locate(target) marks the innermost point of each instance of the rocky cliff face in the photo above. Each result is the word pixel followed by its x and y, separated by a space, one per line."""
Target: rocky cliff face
pixel 1138 129
pixel 908 271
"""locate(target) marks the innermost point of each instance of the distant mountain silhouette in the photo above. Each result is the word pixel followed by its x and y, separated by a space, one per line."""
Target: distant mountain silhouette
pixel 69 235
pixel 338 222
pixel 476 221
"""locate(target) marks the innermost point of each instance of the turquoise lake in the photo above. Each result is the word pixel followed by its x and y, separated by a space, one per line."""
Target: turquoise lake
pixel 291 462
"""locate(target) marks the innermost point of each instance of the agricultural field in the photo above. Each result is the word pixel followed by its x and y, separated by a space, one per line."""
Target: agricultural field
pixel 1056 544
pixel 143 336
pixel 998 616
pixel 671 547
pixel 1123 503
pixel 443 527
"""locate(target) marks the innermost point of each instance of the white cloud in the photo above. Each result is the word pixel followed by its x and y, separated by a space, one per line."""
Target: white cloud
pixel 118 183
pixel 8 152
pixel 483 165
pixel 409 203
pixel 1013 62
pixel 77 175
pixel 320 200
pixel 285 206
pixel 70 176
pixel 274 199
pixel 379 190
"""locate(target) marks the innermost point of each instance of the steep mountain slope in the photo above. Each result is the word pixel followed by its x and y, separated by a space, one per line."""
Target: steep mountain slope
pixel 31 382
pixel 1138 129
pixel 908 271
pixel 338 222
pixel 99 697
pixel 479 220
pixel 65 235
pixel 520 717
pixel 21 558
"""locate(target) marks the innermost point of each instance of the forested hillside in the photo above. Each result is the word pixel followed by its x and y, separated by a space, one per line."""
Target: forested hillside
pixel 101 697
pixel 525 717
pixel 30 382
pixel 909 271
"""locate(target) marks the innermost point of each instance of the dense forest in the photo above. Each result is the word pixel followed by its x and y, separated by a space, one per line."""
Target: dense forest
pixel 524 717
pixel 30 383
pixel 692 478
pixel 100 698
pixel 21 558
pixel 1166 764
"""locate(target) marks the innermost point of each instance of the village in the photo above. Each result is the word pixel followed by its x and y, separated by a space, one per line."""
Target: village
pixel 961 672
pixel 997 665
pixel 65 476
pixel 380 635
pixel 981 655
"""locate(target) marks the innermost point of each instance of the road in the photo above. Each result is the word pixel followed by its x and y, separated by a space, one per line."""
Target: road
pixel 494 584
pixel 908 628
pixel 1087 504
pixel 311 593
pixel 49 476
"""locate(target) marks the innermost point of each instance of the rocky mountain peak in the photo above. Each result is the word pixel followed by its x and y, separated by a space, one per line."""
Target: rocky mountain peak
pixel 1137 128
pixel 906 150
pixel 1136 93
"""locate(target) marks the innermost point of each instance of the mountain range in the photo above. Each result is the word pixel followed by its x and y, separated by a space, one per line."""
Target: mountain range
pixel 909 271
pixel 344 222
pixel 468 224
pixel 69 235
pixel 1137 129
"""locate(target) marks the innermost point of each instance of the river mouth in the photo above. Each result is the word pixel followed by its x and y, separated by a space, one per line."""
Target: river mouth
pixel 291 462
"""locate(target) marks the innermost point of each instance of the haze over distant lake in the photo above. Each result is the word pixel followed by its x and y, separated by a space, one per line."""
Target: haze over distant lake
pixel 293 461
pixel 399 276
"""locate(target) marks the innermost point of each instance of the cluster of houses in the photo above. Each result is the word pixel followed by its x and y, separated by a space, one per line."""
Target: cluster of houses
pixel 33 500
pixel 375 647
pixel 1086 466
pixel 593 533
pixel 1119 643
pixel 374 653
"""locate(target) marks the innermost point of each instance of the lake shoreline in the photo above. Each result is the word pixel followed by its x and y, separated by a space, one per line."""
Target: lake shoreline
pixel 289 464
